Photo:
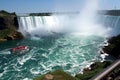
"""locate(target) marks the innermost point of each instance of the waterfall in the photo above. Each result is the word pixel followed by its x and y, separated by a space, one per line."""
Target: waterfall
pixel 83 23
pixel 48 25
pixel 37 25
pixel 113 23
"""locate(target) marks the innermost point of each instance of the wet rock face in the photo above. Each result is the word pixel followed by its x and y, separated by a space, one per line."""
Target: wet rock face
pixel 8 21
pixel 9 26
pixel 114 47
pixel 2 23
pixel 16 22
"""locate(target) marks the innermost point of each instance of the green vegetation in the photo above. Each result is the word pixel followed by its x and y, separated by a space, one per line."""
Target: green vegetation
pixel 5 13
pixel 40 14
pixel 98 66
pixel 110 12
pixel 113 12
pixel 57 75
pixel 10 34
pixel 61 75
pixel 6 32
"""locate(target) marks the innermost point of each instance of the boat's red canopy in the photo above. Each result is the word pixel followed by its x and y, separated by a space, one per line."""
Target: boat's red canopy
pixel 19 48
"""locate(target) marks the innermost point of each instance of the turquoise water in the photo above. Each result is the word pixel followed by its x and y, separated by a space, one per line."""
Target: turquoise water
pixel 68 52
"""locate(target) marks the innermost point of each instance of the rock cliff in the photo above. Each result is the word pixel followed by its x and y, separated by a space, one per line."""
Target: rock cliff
pixel 9 26
pixel 114 47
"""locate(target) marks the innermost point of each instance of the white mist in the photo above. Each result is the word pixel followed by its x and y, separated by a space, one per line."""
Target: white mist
pixel 83 23
pixel 86 22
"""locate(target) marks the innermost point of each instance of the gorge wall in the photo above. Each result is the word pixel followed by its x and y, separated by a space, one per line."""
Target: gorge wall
pixel 9 26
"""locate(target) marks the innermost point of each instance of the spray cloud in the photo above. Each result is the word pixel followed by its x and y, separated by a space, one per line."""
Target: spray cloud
pixel 84 23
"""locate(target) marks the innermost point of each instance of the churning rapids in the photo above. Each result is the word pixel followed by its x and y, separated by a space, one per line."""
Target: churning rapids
pixel 65 49
pixel 68 42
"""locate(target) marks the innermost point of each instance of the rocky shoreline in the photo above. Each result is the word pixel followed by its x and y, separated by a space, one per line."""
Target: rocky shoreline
pixel 88 73
pixel 113 47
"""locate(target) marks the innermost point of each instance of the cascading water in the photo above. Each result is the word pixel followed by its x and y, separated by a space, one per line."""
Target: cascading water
pixel 39 25
pixel 47 25
pixel 113 24
pixel 83 23
pixel 79 44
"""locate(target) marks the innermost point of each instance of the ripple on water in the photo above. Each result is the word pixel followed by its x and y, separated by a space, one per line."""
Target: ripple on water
pixel 69 53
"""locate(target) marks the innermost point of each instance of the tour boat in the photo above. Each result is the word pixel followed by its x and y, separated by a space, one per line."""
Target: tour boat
pixel 20 49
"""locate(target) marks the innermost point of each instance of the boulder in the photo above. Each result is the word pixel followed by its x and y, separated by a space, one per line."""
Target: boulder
pixel 49 77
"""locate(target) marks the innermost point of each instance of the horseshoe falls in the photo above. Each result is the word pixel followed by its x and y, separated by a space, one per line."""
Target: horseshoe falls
pixel 65 41
pixel 54 45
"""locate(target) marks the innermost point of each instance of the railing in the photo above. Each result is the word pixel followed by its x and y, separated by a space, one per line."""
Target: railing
pixel 106 71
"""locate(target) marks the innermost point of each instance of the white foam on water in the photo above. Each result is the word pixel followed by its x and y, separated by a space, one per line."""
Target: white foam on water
pixel 68 55
pixel 6 51
pixel 27 79
pixel 35 38
pixel 103 56
pixel 4 72
pixel 1 74
pixel 35 71
pixel 22 60
pixel 27 57
pixel 72 52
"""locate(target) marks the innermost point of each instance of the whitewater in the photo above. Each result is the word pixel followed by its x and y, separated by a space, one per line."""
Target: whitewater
pixel 67 42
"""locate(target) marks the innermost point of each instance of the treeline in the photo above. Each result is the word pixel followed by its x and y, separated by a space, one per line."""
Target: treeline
pixel 5 13
pixel 103 12
pixel 40 14
pixel 50 13
pixel 110 12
